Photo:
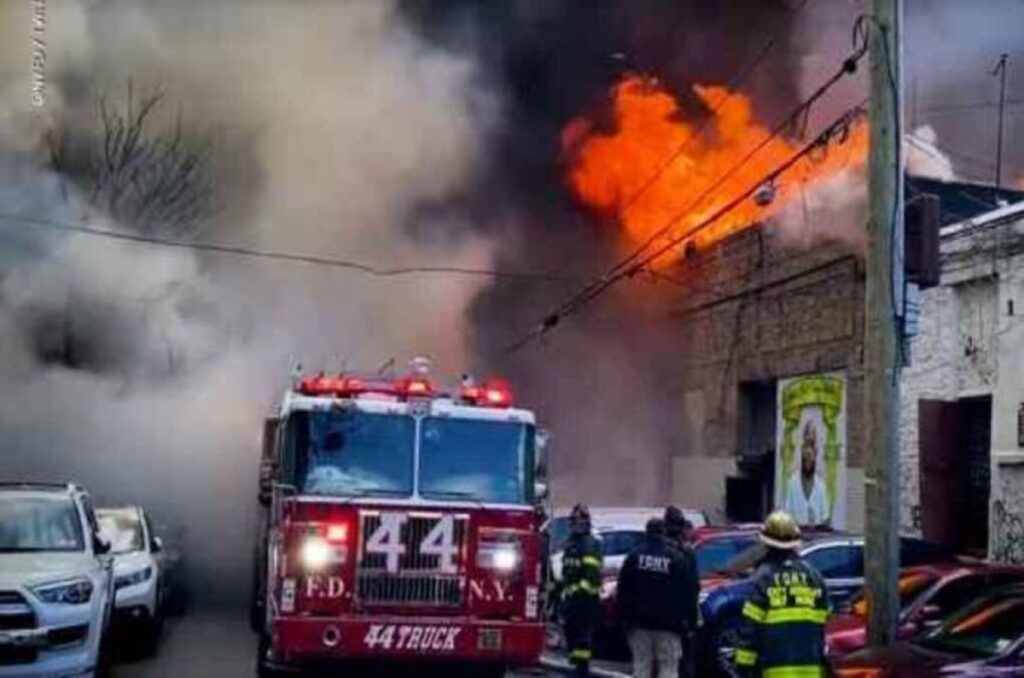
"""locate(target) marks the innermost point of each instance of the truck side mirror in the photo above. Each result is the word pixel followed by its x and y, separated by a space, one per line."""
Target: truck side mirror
pixel 269 459
pixel 540 460
pixel 540 491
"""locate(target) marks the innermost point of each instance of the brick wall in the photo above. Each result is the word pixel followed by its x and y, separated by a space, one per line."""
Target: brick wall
pixel 754 309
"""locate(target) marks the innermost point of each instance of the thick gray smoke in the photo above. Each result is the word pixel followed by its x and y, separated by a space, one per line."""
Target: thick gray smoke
pixel 143 371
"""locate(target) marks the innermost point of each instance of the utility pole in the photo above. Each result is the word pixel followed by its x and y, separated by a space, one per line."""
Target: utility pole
pixel 1000 70
pixel 881 326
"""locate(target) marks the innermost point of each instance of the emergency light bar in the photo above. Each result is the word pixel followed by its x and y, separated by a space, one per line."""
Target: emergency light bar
pixel 494 393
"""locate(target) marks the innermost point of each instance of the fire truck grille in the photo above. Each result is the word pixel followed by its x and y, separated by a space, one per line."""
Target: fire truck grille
pixel 419 579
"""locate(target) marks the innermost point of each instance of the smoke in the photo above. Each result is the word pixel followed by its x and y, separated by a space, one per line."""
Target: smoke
pixel 143 372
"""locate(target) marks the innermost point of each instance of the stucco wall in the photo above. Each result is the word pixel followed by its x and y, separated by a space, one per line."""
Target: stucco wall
pixel 1006 533
pixel 968 344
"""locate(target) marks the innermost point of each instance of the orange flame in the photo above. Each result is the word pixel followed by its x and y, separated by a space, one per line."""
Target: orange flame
pixel 608 170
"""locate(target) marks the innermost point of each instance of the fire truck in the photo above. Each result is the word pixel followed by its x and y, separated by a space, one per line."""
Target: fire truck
pixel 400 522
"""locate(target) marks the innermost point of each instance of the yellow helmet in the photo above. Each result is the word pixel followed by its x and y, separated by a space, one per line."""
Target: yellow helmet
pixel 780 531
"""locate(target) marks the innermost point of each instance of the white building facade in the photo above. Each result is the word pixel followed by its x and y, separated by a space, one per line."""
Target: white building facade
pixel 962 391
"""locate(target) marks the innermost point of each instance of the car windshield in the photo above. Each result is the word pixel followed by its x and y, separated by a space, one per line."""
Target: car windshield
pixel 986 628
pixel 352 453
pixel 714 554
pixel 122 529
pixel 33 523
pixel 619 542
pixel 475 460
pixel 910 587
pixel 745 560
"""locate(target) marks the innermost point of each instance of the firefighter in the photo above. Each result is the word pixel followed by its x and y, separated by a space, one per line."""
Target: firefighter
pixel 678 532
pixel 782 629
pixel 658 600
pixel 581 581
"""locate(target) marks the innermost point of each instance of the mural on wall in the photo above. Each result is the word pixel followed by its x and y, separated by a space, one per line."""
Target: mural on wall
pixel 810 464
pixel 1008 535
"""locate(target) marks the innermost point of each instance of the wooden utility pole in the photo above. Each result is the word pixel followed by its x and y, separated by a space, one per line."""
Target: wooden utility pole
pixel 884 292
pixel 1000 70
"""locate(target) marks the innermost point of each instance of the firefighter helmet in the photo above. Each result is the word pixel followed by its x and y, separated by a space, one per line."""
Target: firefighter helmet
pixel 780 531
pixel 579 518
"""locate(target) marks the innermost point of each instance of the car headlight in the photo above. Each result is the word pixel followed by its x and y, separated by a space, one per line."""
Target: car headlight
pixel 133 578
pixel 74 592
pixel 499 556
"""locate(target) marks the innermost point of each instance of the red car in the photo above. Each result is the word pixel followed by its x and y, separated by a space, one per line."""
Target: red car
pixel 928 594
pixel 985 638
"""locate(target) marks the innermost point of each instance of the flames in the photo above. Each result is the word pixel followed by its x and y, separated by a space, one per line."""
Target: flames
pixel 607 170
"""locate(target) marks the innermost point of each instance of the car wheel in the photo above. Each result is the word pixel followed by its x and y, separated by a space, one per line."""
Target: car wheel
pixel 152 632
pixel 262 650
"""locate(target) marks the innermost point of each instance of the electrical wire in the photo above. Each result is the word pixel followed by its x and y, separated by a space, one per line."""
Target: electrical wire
pixel 625 266
pixel 731 87
pixel 317 260
pixel 839 127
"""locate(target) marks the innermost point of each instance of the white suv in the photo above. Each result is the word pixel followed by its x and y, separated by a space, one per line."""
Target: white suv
pixel 56 589
pixel 138 572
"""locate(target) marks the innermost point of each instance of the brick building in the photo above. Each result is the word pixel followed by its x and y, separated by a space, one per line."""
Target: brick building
pixel 755 312
pixel 758 312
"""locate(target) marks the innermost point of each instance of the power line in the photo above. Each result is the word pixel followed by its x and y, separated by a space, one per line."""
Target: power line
pixel 956 108
pixel 839 127
pixel 598 285
pixel 293 257
pixel 732 87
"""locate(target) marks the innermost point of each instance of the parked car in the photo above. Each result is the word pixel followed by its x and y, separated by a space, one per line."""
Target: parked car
pixel 985 638
pixel 838 557
pixel 713 547
pixel 138 572
pixel 928 594
pixel 56 583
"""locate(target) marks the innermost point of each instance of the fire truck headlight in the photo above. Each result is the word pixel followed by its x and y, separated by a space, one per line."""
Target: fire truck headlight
pixel 316 553
pixel 500 557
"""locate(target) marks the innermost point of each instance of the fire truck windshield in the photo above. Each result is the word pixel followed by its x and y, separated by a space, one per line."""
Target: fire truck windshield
pixel 347 452
pixel 475 460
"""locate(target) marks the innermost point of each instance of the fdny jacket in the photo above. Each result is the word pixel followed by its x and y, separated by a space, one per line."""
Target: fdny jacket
pixel 581 568
pixel 782 634
pixel 658 588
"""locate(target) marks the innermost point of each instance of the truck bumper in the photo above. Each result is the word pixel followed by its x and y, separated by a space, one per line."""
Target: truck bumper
pixel 301 641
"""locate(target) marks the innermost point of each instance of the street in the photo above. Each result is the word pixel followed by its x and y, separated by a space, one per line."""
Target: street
pixel 215 642
pixel 490 334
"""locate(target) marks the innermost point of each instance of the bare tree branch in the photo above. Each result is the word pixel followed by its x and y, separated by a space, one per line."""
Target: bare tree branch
pixel 153 180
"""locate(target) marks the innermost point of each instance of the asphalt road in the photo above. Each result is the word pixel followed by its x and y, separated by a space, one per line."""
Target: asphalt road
pixel 208 644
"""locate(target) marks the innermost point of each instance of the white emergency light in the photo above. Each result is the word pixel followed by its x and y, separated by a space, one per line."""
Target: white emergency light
pixel 316 553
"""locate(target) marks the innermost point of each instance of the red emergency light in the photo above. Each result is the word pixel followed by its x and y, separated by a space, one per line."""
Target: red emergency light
pixel 341 386
pixel 337 532
pixel 415 387
pixel 494 393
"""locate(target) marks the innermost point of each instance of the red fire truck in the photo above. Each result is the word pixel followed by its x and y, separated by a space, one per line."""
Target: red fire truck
pixel 401 522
